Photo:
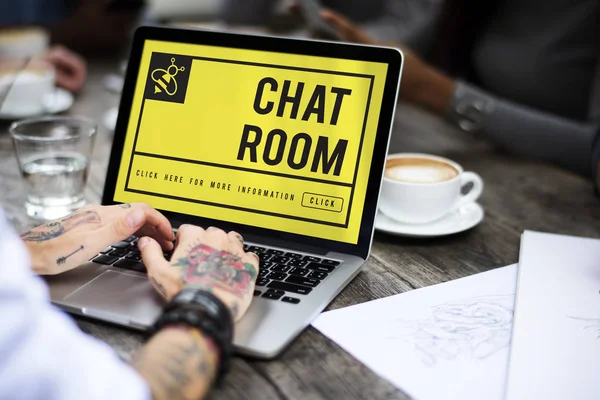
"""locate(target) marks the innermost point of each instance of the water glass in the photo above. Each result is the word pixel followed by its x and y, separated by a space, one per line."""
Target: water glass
pixel 54 156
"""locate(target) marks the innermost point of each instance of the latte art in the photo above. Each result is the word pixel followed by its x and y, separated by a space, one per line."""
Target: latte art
pixel 419 170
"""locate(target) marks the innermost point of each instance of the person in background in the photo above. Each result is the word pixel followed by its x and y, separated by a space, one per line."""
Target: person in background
pixel 406 21
pixel 524 76
pixel 89 27
pixel 208 284
pixel 19 46
pixel 70 67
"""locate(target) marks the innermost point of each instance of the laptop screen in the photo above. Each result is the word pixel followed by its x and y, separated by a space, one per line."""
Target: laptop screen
pixel 266 139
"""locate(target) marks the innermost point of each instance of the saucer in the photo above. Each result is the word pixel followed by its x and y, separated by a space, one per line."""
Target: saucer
pixel 109 120
pixel 58 101
pixel 460 220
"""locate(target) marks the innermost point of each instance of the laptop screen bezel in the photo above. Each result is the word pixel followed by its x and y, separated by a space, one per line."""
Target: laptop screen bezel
pixel 391 57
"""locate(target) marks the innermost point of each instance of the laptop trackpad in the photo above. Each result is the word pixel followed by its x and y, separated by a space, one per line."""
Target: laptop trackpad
pixel 118 297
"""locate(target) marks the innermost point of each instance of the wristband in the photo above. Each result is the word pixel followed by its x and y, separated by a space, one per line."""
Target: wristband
pixel 201 310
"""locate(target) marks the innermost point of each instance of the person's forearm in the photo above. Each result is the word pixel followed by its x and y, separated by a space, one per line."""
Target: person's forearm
pixel 514 127
pixel 433 91
pixel 536 134
pixel 411 22
pixel 178 363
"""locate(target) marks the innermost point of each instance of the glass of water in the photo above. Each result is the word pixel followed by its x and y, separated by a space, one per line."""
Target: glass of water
pixel 54 156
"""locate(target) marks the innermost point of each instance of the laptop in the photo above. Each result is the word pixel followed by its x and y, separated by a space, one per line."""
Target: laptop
pixel 282 140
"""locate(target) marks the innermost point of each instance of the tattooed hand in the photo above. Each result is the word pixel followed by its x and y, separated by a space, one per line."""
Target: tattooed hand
pixel 209 259
pixel 64 244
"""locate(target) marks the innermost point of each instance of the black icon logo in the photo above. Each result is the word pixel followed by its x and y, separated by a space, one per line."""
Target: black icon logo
pixel 168 77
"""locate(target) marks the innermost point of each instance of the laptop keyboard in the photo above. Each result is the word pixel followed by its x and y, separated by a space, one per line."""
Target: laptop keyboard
pixel 124 255
pixel 283 276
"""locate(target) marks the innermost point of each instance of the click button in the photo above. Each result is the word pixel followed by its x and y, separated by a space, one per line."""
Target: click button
pixel 323 202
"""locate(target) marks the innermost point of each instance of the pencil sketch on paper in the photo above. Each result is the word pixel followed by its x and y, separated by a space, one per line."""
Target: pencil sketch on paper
pixel 589 324
pixel 474 327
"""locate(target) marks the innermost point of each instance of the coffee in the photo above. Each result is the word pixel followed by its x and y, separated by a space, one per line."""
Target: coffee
pixel 21 43
pixel 16 34
pixel 419 170
pixel 419 188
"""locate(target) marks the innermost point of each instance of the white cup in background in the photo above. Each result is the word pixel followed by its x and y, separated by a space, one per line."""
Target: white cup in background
pixel 421 188
pixel 32 86
pixel 23 43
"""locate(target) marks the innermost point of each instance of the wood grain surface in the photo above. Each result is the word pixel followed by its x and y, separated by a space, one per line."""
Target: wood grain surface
pixel 518 195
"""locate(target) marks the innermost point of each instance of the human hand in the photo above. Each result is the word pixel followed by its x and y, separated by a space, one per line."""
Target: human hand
pixel 346 30
pixel 208 259
pixel 71 69
pixel 64 244
pixel 421 83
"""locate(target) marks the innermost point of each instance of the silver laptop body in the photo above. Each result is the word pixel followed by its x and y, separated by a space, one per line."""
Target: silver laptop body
pixel 125 297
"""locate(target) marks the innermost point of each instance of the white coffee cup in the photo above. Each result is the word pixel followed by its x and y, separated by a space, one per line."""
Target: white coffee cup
pixel 22 43
pixel 421 188
pixel 28 88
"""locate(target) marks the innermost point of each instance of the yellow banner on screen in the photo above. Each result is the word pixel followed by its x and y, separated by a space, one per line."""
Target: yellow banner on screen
pixel 271 140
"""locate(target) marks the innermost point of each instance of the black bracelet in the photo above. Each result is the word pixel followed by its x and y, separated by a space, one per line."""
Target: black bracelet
pixel 201 310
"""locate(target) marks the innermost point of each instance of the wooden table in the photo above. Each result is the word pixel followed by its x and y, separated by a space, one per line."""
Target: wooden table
pixel 519 195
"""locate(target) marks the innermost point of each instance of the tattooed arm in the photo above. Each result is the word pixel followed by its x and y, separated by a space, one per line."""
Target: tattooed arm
pixel 179 362
pixel 64 244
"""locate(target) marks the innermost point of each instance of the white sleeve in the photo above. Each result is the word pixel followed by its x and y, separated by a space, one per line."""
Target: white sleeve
pixel 43 354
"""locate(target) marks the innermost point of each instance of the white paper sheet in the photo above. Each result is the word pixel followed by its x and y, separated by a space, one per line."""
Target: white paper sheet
pixel 556 338
pixel 448 341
